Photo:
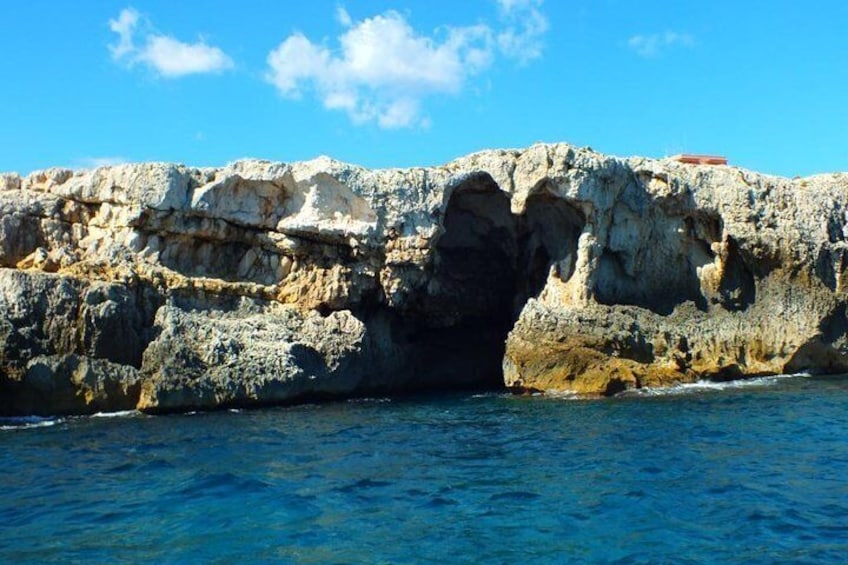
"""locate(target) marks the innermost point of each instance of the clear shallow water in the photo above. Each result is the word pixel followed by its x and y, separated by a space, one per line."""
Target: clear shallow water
pixel 751 474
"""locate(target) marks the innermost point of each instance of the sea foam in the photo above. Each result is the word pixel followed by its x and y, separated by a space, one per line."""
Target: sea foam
pixel 710 386
pixel 27 422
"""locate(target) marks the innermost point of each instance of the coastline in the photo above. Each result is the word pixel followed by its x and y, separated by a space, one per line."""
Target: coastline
pixel 161 287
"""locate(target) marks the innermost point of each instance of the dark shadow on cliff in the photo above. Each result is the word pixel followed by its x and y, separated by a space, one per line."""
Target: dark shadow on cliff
pixel 486 264
pixel 466 313
pixel 74 347
pixel 654 248
pixel 824 353
pixel 548 232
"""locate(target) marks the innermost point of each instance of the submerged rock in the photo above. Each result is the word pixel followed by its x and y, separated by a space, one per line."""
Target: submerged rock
pixel 553 268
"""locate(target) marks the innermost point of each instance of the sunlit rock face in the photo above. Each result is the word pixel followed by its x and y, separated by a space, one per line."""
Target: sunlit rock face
pixel 554 268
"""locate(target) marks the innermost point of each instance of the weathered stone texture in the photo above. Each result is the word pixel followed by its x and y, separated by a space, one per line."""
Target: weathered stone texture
pixel 552 268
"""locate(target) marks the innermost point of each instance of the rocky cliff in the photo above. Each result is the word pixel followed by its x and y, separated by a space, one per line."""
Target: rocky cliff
pixel 555 268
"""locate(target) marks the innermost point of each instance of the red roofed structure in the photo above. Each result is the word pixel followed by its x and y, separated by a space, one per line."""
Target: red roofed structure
pixel 700 159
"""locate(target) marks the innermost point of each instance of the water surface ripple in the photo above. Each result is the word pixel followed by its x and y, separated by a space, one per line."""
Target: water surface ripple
pixel 754 474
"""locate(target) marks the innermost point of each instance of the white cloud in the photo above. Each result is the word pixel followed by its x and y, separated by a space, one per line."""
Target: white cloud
pixel 343 17
pixel 383 69
pixel 166 55
pixel 173 58
pixel 124 26
pixel 525 27
pixel 654 44
pixel 95 162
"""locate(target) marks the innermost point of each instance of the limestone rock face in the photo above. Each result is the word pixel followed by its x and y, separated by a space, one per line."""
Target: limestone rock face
pixel 244 351
pixel 69 345
pixel 553 268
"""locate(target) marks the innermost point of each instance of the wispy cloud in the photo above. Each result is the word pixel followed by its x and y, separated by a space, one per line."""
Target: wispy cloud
pixel 124 26
pixel 343 17
pixel 383 69
pixel 656 43
pixel 521 38
pixel 95 162
pixel 167 56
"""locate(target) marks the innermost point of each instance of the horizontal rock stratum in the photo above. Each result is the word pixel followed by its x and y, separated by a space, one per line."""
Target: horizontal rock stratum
pixel 554 268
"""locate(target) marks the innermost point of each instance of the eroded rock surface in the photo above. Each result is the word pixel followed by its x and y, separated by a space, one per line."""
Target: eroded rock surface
pixel 553 268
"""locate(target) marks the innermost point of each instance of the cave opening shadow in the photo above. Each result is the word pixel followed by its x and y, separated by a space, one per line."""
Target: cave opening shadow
pixel 487 263
pixel 549 230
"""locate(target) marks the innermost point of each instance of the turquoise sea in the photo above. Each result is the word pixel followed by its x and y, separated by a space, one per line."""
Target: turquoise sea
pixel 737 473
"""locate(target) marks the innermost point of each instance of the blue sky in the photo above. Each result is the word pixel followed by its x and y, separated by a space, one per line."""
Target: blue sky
pixel 414 82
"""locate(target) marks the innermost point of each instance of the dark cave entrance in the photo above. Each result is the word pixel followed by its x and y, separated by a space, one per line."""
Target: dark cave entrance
pixel 548 232
pixel 487 263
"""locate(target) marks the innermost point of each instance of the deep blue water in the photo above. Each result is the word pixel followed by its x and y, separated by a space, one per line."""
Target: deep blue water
pixel 751 474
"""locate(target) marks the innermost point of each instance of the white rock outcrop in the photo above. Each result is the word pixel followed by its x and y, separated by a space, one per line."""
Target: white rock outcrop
pixel 552 268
